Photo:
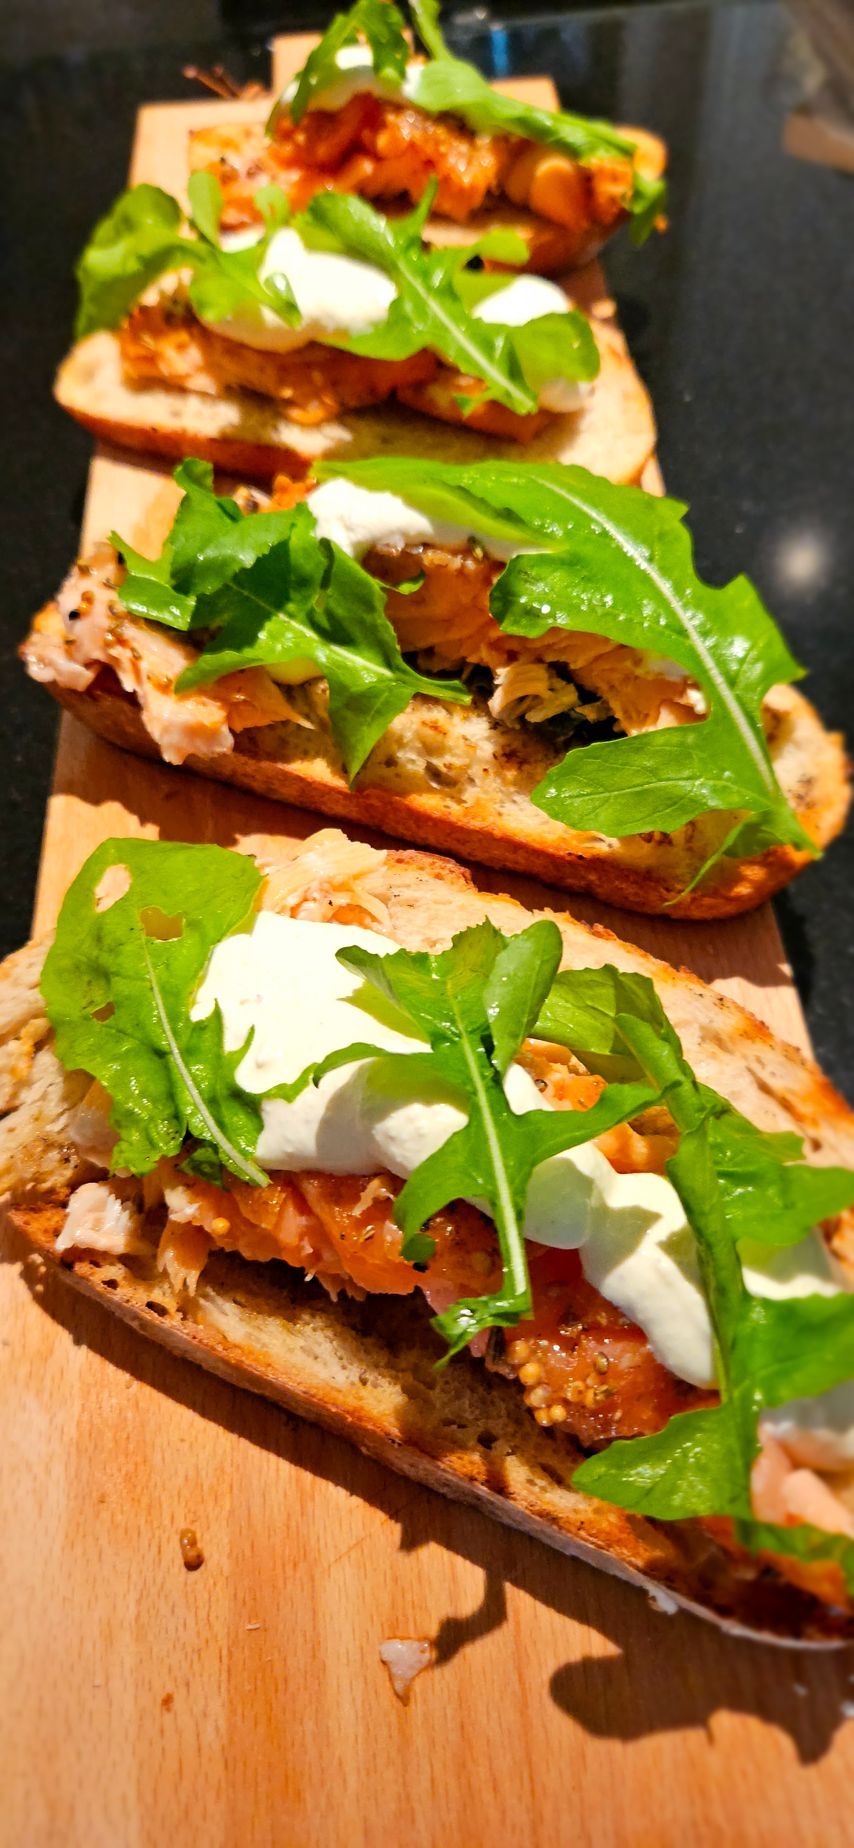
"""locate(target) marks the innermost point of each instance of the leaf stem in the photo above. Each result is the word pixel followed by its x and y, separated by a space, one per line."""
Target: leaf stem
pixel 248 1169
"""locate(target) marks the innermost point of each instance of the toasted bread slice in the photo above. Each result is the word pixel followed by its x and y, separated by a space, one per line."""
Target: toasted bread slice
pixel 448 778
pixel 367 1370
pixel 238 152
pixel 612 434
pixel 444 776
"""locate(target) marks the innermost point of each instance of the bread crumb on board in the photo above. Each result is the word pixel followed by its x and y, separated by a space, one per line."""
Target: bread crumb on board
pixel 405 1657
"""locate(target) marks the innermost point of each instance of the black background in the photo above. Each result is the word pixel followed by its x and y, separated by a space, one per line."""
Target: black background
pixel 740 319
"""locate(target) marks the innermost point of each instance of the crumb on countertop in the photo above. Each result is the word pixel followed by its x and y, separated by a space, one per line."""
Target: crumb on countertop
pixel 191 1552
pixel 405 1657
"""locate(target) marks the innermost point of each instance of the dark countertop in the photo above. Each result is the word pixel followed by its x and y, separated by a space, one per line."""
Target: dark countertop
pixel 739 318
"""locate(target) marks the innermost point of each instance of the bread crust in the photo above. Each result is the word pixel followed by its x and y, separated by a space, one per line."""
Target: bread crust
pixel 647 876
pixel 366 1371
pixel 613 434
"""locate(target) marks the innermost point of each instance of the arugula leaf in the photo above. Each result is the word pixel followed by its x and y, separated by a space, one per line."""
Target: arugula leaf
pixel 224 281
pixel 475 1003
pixel 306 601
pixel 497 245
pixel 425 18
pixel 451 86
pixel 430 308
pixel 118 985
pixel 771 1196
pixel 647 205
pixel 553 346
pixel 140 238
pixel 728 1175
pixel 148 589
pixel 379 23
pixel 210 540
pixel 274 595
pixel 133 244
pixel 618 561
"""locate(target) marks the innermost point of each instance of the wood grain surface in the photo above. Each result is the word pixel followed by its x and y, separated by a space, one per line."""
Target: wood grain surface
pixel 245 1703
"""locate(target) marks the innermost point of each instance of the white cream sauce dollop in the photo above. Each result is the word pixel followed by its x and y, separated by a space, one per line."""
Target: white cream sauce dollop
pixel 357 77
pixel 357 518
pixel 336 295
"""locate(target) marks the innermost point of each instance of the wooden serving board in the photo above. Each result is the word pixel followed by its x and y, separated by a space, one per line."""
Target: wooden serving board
pixel 245 1703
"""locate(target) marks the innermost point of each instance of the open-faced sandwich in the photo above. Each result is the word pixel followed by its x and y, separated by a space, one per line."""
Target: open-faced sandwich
pixel 366 116
pixel 336 331
pixel 327 1129
pixel 516 663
